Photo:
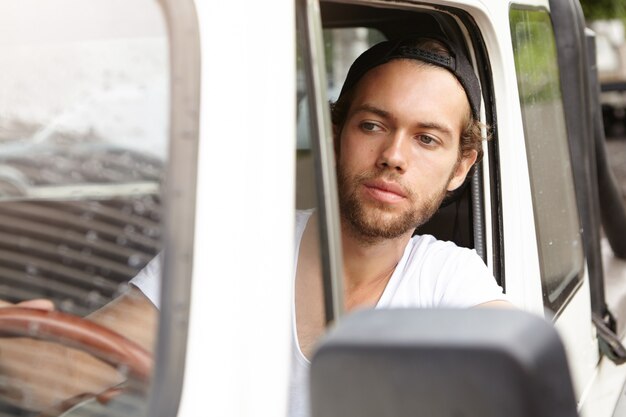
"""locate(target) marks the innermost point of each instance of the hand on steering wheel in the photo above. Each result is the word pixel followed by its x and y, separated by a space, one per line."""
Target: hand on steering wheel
pixel 80 334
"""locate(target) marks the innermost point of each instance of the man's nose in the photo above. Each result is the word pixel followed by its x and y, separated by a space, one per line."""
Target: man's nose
pixel 393 153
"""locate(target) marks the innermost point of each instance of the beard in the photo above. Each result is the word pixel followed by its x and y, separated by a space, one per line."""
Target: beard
pixel 373 221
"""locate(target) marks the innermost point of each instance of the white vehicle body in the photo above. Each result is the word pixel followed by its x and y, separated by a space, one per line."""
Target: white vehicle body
pixel 247 385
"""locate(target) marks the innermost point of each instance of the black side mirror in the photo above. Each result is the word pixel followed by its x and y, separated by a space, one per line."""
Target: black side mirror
pixel 436 363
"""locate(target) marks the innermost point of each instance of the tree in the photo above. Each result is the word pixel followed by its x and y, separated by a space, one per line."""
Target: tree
pixel 604 9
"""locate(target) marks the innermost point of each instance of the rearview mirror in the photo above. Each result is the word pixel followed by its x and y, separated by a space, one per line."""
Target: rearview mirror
pixel 436 363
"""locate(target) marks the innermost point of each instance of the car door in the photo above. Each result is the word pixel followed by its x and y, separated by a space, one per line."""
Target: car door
pixel 519 213
pixel 525 220
pixel 562 258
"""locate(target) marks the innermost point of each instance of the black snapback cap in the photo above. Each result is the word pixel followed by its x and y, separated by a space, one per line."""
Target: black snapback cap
pixel 383 52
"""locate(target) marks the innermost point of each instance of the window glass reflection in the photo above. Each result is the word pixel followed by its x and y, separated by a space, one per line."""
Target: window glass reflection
pixel 556 215
pixel 84 109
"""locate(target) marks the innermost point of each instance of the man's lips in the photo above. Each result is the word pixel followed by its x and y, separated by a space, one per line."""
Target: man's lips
pixel 386 192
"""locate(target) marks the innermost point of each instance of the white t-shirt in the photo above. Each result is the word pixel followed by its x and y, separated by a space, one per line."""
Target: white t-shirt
pixel 431 273
pixel 148 280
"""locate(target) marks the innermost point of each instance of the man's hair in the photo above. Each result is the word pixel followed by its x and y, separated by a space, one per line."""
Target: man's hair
pixel 471 135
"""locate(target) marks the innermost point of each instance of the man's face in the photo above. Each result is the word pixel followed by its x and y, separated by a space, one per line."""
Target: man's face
pixel 399 148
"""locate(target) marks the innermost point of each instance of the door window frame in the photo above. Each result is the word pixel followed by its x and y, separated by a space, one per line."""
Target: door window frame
pixel 179 196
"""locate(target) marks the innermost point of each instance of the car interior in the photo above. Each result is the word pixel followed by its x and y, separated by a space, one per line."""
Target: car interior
pixel 461 218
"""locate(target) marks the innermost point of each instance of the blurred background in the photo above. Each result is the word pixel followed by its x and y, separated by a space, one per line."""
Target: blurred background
pixel 608 20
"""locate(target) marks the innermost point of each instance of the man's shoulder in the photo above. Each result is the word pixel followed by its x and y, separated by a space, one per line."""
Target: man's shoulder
pixel 430 244
pixel 437 273
pixel 426 251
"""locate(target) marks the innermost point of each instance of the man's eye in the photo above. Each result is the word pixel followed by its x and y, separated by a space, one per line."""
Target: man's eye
pixel 427 140
pixel 370 127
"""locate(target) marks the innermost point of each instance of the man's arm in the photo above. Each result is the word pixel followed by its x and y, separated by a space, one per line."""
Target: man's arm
pixel 132 315
pixel 38 374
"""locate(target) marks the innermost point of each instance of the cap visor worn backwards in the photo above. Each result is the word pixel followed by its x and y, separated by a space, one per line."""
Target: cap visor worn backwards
pixel 457 63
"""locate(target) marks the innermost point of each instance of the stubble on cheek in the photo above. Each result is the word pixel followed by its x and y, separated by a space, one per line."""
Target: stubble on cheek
pixel 372 221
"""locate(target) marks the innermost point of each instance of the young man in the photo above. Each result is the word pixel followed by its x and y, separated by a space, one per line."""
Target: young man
pixel 407 134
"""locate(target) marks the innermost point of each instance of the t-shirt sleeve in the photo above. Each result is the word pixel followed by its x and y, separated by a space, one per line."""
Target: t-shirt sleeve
pixel 148 280
pixel 465 281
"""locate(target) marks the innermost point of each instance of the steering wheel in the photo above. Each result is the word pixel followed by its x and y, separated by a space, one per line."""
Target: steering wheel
pixel 78 333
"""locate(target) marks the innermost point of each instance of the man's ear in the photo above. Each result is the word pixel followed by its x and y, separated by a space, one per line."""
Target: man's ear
pixel 461 170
